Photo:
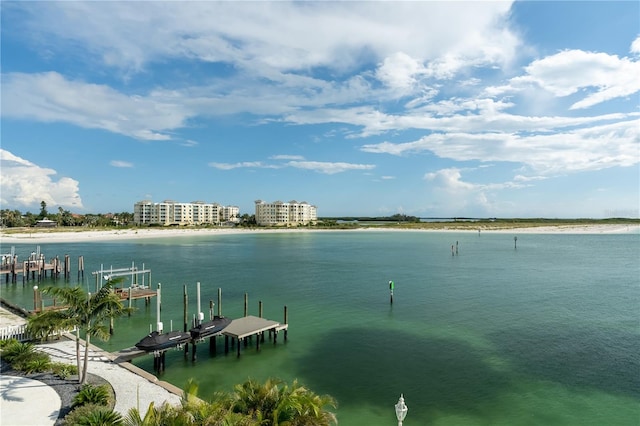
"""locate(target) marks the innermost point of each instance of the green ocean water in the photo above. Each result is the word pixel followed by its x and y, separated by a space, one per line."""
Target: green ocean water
pixel 547 333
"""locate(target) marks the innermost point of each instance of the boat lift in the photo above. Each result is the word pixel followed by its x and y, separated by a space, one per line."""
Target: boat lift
pixel 138 276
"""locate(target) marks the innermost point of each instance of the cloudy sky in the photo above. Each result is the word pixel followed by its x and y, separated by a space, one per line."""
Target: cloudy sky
pixel 432 109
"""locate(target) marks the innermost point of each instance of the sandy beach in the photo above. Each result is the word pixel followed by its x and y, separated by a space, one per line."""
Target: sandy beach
pixel 57 236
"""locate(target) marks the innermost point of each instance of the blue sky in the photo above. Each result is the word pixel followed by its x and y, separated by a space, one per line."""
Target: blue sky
pixel 431 109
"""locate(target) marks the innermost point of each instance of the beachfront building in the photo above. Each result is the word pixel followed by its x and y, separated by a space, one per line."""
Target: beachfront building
pixel 171 212
pixel 280 213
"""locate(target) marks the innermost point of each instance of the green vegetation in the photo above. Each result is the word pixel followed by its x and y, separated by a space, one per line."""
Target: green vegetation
pixel 24 357
pixel 394 218
pixel 90 394
pixel 272 403
pixel 86 313
pixel 93 415
pixel 16 219
pixel 62 370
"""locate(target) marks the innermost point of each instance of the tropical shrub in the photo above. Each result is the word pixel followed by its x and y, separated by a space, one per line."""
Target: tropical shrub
pixel 273 403
pixel 90 394
pixel 92 415
pixel 7 342
pixel 24 357
pixel 38 364
pixel 63 370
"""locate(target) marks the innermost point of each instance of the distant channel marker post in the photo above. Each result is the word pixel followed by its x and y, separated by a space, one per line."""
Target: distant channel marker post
pixel 391 286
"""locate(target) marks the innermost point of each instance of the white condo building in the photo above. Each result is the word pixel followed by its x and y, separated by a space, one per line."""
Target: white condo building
pixel 170 212
pixel 280 213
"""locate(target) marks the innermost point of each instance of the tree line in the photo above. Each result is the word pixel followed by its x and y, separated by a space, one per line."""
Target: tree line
pixel 15 218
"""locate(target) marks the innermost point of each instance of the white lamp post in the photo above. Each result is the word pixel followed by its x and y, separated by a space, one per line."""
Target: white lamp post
pixel 35 298
pixel 401 410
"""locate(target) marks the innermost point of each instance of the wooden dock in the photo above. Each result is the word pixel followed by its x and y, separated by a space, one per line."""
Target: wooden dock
pixel 239 330
pixel 244 328
pixel 37 267
pixel 128 293
pixel 133 293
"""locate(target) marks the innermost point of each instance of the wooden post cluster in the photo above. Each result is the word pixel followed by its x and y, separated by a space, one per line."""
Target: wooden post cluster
pixel 37 267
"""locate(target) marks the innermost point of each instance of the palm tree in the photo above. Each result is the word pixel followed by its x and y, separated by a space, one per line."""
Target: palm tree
pixel 274 403
pixel 86 312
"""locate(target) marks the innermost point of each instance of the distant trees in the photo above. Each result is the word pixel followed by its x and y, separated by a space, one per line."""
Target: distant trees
pixel 14 218
pixel 11 218
pixel 248 220
pixel 43 210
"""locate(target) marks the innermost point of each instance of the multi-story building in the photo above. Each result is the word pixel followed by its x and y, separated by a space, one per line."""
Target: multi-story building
pixel 280 213
pixel 170 212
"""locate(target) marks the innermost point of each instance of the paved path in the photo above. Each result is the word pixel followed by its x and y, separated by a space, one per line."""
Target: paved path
pixel 134 387
pixel 27 402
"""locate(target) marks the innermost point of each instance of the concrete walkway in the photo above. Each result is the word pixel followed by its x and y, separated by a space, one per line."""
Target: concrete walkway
pixel 36 403
pixel 134 387
pixel 27 402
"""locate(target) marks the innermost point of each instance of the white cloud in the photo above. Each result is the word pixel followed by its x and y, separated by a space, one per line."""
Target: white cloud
pixel 590 148
pixel 121 164
pixel 273 35
pixel 296 162
pixel 329 167
pixel 450 192
pixel 286 157
pixel 241 165
pixel 400 72
pixel 450 180
pixel 50 97
pixel 25 185
pixel 602 76
pixel 635 46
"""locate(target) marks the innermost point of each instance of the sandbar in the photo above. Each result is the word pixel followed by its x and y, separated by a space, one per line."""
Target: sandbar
pixel 40 236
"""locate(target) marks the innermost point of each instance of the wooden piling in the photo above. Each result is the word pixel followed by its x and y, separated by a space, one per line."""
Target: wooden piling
pixel 80 267
pixel 219 302
pixel 186 326
pixel 260 308
pixel 67 267
pixel 286 321
pixel 184 305
pixel 246 304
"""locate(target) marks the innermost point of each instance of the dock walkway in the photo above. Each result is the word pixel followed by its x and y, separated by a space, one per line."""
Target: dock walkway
pixel 242 328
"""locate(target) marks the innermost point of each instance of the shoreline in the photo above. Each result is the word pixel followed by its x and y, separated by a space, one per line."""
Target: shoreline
pixel 47 236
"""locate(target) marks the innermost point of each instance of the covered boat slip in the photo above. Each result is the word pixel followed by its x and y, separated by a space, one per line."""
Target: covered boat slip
pixel 242 328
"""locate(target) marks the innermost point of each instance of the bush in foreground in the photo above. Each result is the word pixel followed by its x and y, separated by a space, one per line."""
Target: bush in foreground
pixel 93 415
pixel 90 394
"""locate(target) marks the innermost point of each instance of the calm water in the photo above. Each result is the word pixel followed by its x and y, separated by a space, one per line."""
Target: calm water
pixel 545 334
